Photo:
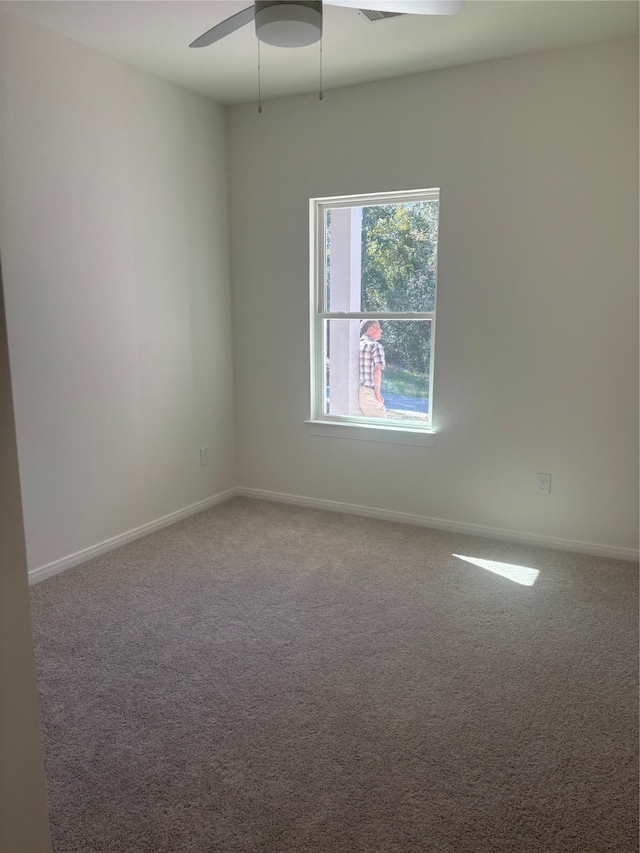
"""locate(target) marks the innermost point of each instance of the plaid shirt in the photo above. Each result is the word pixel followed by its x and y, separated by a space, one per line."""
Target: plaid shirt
pixel 371 353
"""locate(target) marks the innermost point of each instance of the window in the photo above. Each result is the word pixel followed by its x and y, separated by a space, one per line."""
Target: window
pixel 373 304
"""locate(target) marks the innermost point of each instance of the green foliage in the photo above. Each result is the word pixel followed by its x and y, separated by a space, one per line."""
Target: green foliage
pixel 399 257
pixel 404 382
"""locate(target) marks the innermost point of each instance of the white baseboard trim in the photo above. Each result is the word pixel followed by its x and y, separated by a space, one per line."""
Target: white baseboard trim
pixel 43 572
pixel 607 551
pixel 54 568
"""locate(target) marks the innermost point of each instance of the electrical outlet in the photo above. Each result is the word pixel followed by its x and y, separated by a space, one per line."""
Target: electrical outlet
pixel 544 484
pixel 204 456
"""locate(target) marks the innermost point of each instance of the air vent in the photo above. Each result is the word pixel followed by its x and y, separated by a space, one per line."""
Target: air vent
pixel 372 16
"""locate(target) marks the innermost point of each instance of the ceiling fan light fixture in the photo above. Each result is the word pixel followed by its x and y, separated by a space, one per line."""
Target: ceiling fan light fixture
pixel 287 24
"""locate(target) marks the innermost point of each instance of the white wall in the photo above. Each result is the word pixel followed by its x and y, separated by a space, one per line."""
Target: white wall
pixel 537 330
pixel 115 252
pixel 115 241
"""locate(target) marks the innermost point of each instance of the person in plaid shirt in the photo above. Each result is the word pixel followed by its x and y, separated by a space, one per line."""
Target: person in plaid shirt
pixel 372 364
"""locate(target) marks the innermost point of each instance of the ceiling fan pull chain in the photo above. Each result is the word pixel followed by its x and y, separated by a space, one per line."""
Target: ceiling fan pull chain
pixel 321 93
pixel 259 86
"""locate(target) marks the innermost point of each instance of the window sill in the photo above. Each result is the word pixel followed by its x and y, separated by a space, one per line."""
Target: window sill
pixel 369 432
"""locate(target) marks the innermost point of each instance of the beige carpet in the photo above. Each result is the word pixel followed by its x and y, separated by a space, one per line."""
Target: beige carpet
pixel 269 679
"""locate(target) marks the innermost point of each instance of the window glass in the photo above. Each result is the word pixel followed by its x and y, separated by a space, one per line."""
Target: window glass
pixel 385 257
pixel 405 377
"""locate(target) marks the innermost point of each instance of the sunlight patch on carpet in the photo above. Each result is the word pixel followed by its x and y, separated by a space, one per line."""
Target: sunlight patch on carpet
pixel 518 574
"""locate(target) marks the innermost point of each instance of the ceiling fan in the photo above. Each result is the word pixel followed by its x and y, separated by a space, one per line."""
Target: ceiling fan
pixel 295 23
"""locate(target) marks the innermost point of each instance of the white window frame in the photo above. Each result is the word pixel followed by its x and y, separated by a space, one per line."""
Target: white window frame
pixel 345 426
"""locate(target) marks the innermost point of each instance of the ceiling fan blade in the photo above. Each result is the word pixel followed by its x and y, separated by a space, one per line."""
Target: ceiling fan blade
pixel 405 7
pixel 225 28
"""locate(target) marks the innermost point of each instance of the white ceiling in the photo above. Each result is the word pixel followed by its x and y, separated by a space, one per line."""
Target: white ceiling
pixel 154 35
